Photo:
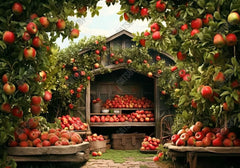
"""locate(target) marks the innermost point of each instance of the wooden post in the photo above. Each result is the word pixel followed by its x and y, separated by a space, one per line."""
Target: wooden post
pixel 88 102
pixel 156 109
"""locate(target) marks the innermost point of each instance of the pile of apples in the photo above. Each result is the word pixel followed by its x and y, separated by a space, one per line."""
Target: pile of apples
pixel 137 116
pixel 94 137
pixel 28 135
pixel 200 136
pixel 72 123
pixel 128 101
pixel 150 143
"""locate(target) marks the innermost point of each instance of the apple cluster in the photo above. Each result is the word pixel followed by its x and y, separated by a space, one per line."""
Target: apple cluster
pixel 137 116
pixel 99 153
pixel 200 136
pixel 94 137
pixel 128 101
pixel 150 143
pixel 72 123
pixel 28 135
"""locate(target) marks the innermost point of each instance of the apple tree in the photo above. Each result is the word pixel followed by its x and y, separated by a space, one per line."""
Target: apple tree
pixel 202 36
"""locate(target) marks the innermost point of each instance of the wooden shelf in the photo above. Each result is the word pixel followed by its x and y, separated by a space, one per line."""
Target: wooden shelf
pixel 122 124
pixel 104 113
pixel 131 109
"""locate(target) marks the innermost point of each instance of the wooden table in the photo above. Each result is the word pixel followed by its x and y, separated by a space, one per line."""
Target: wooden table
pixel 193 153
pixel 71 153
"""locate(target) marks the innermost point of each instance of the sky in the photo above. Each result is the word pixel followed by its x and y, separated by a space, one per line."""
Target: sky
pixel 106 24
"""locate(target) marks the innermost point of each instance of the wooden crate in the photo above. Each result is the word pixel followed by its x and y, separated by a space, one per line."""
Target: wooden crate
pixel 127 141
pixel 98 146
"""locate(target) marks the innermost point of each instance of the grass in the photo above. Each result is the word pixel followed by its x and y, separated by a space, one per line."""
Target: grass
pixel 120 156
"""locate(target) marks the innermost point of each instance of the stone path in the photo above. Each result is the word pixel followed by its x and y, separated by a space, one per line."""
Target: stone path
pixel 100 163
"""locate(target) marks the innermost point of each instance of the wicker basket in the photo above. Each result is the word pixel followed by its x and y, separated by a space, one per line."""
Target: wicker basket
pixel 127 141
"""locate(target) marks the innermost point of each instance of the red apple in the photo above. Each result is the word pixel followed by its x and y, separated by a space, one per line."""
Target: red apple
pixel 155 158
pixel 17 112
pixel 134 9
pixel 32 28
pixel 236 142
pixel 29 53
pixel 144 12
pixel 180 142
pixel 60 24
pixel 232 135
pixel 224 131
pixel 156 35
pixel 149 74
pixel 9 88
pixel 227 142
pixel 206 91
pixel 6 107
pixel 199 144
pixel 8 37
pixel 184 27
pixel 36 100
pixel 218 41
pixel 17 8
pixel 33 16
pixel 126 17
pixel 142 42
pixel 24 88
pixel 44 21
pixel 184 136
pixel 37 42
pixel 217 142
pixel 181 56
pixel 199 136
pixel 231 39
pixel 160 6
pixel 194 31
pixel 47 95
pixel 196 24
pixel 191 141
pixel 206 141
pixel 26 36
pixel 82 10
pixel 36 109
pixel 74 33
pixel 96 65
pixel 158 58
pixel 154 27
pixel 207 18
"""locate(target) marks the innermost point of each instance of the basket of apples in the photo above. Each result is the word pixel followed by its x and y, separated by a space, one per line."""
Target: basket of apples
pixel 150 145
pixel 96 142
pixel 200 136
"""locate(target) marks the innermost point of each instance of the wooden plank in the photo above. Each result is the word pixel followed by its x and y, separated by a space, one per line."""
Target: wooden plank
pixel 54 150
pixel 210 149
pixel 88 102
pixel 123 124
pixel 79 157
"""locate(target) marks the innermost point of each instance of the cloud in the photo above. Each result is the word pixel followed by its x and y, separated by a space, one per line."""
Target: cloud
pixel 106 24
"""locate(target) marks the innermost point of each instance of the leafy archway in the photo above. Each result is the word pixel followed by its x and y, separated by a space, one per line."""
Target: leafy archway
pixel 200 35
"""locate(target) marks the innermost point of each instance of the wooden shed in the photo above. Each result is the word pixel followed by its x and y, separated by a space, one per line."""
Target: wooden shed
pixel 120 80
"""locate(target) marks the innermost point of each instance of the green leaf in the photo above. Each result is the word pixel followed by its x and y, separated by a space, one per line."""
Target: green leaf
pixel 182 99
pixel 201 3
pixel 217 15
pixel 225 93
pixel 3 45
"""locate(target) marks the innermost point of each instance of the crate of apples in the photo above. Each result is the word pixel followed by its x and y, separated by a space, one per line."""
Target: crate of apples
pixel 29 135
pixel 94 137
pixel 150 144
pixel 200 136
pixel 72 123
pixel 128 101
